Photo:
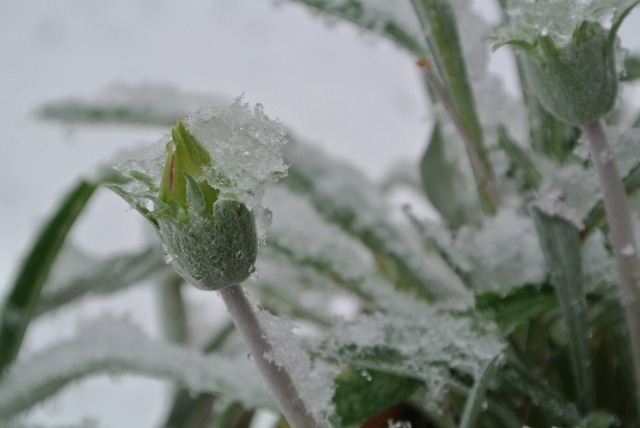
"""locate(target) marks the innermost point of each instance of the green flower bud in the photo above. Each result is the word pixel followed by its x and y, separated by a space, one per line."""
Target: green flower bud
pixel 574 78
pixel 204 208
pixel 186 156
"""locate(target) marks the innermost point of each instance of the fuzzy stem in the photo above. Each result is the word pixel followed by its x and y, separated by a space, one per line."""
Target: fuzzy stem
pixel 276 376
pixel 622 233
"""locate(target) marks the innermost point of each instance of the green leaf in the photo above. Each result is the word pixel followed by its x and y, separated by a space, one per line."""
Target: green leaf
pixel 599 420
pixel 20 304
pixel 557 410
pixel 444 184
pixel 394 20
pixel 517 307
pixel 441 31
pixel 360 394
pixel 560 241
pixel 147 104
pixel 111 346
pixel 476 400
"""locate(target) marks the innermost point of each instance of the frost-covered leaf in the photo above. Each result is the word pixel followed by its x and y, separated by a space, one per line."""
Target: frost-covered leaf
pixel 344 196
pixel 111 346
pixel 394 19
pixel 78 274
pixel 309 240
pixel 144 104
pixel 430 346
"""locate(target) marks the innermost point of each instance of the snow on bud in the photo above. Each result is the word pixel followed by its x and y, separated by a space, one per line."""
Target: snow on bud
pixel 573 75
pixel 203 194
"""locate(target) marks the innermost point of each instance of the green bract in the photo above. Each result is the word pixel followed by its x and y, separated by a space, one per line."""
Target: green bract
pixel 574 76
pixel 204 210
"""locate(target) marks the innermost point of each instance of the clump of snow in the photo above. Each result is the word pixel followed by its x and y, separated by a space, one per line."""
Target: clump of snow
pixel 504 252
pixel 313 381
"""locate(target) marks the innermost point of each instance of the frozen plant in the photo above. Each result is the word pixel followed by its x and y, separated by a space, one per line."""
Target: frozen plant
pixel 517 307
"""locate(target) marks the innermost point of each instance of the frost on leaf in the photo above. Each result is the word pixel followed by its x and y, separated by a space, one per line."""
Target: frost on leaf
pixel 113 346
pixel 433 346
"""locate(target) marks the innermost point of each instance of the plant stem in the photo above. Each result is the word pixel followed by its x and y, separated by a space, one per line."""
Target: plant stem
pixel 276 376
pixel 486 183
pixel 622 233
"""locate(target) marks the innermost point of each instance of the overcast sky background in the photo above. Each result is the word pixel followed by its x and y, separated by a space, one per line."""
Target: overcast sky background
pixel 359 96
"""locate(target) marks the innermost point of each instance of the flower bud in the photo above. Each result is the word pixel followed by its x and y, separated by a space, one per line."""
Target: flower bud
pixel 575 77
pixel 186 156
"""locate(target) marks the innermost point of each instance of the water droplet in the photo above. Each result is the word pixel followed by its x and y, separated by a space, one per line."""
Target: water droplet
pixel 628 250
pixel 239 255
pixel 252 269
pixel 365 374
pixel 167 258
pixel 249 357
pixel 484 406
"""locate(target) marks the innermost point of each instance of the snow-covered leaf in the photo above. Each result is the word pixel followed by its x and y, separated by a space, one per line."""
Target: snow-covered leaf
pixel 78 274
pixel 430 346
pixel 112 346
pixel 343 196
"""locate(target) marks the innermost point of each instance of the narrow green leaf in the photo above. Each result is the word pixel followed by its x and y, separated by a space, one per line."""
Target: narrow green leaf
pixel 517 307
pixel 20 304
pixel 599 420
pixel 443 183
pixel 476 401
pixel 360 394
pixel 391 21
pixel 147 104
pixel 557 410
pixel 560 241
pixel 440 27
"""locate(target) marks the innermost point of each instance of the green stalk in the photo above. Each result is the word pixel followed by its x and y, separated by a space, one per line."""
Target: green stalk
pixel 439 24
pixel 622 233
pixel 275 375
